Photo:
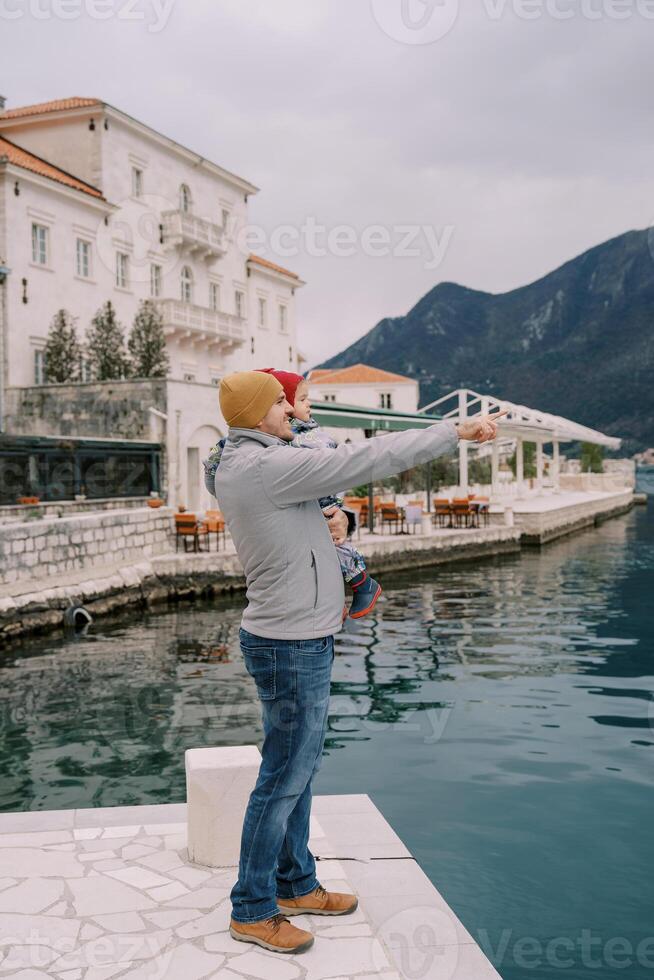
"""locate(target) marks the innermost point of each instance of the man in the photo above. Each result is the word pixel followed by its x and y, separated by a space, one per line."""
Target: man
pixel 268 492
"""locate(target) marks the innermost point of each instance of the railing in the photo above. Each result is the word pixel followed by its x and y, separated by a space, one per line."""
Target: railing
pixel 182 228
pixel 177 315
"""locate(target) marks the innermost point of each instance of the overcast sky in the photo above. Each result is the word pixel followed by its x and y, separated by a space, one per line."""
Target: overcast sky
pixel 490 143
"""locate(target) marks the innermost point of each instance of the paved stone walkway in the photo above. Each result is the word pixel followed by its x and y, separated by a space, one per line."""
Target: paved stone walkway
pixel 96 894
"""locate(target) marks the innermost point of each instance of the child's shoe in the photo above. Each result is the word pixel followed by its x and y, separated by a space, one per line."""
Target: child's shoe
pixel 366 592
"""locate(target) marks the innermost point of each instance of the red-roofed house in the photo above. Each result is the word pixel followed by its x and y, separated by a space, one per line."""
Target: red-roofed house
pixel 366 386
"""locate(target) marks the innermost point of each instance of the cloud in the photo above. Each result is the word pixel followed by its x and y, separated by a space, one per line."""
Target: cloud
pixel 530 138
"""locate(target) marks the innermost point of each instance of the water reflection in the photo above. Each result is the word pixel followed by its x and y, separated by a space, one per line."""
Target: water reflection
pixel 104 719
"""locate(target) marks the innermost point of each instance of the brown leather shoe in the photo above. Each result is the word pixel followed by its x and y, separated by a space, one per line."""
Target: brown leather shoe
pixel 275 933
pixel 319 902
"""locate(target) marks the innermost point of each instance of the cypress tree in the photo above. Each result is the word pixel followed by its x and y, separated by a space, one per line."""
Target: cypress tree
pixel 105 346
pixel 62 349
pixel 147 343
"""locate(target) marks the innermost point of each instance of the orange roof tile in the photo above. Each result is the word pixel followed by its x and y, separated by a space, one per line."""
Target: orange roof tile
pixel 29 161
pixel 356 374
pixel 57 105
pixel 271 265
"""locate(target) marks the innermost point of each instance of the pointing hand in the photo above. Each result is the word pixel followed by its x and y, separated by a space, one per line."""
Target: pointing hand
pixel 480 428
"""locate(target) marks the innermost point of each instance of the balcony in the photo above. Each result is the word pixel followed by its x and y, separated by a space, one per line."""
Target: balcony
pixel 201 325
pixel 195 235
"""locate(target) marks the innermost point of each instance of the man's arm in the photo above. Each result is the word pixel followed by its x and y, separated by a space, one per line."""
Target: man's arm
pixel 293 475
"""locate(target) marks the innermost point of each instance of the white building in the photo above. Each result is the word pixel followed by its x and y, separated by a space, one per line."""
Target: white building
pixel 97 206
pixel 366 386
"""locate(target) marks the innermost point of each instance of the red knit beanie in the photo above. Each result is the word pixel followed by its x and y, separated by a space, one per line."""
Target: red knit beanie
pixel 288 380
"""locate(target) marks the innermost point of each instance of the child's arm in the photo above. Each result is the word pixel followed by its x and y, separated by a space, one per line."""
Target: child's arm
pixel 211 464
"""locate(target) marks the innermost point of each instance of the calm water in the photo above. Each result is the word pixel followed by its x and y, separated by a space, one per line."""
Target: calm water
pixel 499 714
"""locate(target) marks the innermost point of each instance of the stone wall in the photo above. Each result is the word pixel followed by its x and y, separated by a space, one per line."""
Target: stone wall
pixel 626 468
pixel 622 473
pixel 604 482
pixel 97 410
pixel 19 513
pixel 57 546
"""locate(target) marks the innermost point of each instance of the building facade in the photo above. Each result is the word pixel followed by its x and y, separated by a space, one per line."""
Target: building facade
pixel 383 394
pixel 97 206
pixel 365 386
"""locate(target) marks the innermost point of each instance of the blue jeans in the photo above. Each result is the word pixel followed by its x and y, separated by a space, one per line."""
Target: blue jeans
pixel 293 680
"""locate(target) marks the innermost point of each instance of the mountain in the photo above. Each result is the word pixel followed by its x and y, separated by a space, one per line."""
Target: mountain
pixel 579 342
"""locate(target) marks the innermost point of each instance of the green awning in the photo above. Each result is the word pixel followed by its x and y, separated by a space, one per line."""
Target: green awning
pixel 378 419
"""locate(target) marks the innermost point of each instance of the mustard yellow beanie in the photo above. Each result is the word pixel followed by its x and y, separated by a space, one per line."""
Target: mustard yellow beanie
pixel 246 396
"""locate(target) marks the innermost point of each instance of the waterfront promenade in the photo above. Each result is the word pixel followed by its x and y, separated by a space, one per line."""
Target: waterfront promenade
pixel 111 561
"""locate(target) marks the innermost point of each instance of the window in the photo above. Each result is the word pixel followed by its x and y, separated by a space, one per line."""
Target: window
pixel 137 182
pixel 83 257
pixel 155 281
pixel 188 376
pixel 262 312
pixel 39 244
pixel 214 296
pixel 225 218
pixel 386 400
pixel 330 398
pixel 122 270
pixel 39 367
pixel 184 199
pixel 186 285
pixel 239 305
pixel 282 318
pixel 215 380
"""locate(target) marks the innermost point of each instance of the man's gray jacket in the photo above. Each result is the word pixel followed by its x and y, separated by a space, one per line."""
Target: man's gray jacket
pixel 268 492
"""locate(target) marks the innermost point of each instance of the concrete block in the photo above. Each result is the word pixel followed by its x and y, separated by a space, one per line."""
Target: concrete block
pixel 218 785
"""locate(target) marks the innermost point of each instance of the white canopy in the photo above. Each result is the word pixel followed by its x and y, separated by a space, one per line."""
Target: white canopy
pixel 528 423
